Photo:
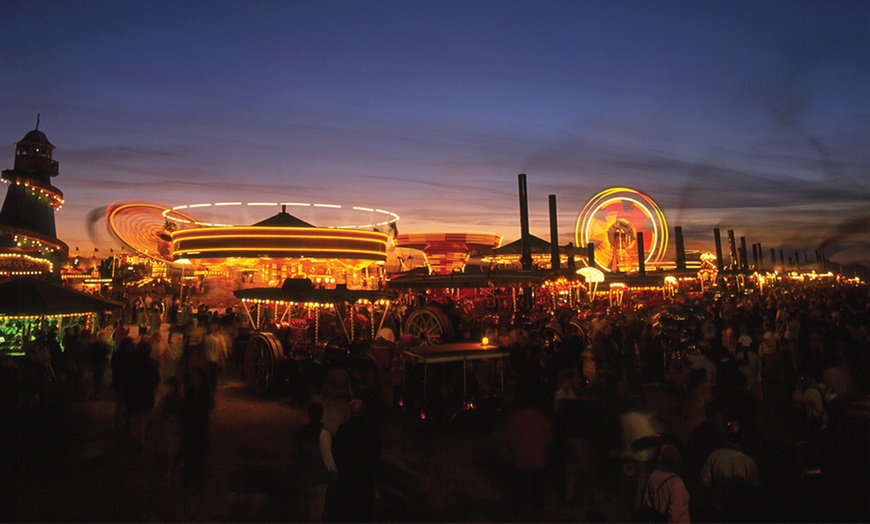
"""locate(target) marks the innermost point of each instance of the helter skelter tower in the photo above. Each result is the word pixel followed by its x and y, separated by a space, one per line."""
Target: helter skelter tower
pixel 28 237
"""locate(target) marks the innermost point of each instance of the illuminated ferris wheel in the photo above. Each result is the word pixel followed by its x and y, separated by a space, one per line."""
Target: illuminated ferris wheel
pixel 612 220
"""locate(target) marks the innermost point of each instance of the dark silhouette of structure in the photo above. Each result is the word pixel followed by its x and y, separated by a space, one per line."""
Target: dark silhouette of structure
pixel 28 237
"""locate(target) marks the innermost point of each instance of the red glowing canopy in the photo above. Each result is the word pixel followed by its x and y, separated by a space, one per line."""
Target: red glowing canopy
pixel 447 251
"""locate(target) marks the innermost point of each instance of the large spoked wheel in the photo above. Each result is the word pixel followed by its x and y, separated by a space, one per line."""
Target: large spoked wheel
pixel 262 359
pixel 429 326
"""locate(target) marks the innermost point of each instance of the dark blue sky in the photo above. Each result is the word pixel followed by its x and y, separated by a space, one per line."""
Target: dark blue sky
pixel 752 116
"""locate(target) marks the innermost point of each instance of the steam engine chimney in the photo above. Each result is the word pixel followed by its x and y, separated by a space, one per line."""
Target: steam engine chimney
pixel 554 235
pixel 681 248
pixel 525 239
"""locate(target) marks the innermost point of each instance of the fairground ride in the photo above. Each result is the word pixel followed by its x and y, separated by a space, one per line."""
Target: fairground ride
pixel 615 220
pixel 263 254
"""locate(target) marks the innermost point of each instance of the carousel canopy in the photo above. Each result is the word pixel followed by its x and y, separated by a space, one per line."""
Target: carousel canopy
pixel 28 296
pixel 302 290
pixel 537 245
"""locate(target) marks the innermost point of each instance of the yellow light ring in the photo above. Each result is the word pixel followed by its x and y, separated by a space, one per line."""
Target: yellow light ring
pixel 256 251
pixel 140 224
pixel 389 216
pixel 295 242
pixel 232 232
pixel 626 204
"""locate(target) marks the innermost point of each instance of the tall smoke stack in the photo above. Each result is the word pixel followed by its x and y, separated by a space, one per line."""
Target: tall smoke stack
pixel 717 239
pixel 732 250
pixel 525 238
pixel 681 248
pixel 641 256
pixel 554 235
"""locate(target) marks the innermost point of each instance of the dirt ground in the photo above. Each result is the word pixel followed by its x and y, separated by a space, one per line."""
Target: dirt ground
pixel 72 465
pixel 68 463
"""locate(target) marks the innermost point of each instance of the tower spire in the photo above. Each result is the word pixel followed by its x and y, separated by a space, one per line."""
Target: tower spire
pixel 37 121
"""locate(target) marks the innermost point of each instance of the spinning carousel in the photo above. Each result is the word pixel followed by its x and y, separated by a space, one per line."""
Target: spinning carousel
pixel 265 253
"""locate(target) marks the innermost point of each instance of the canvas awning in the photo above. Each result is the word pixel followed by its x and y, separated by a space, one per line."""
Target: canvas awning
pixel 28 296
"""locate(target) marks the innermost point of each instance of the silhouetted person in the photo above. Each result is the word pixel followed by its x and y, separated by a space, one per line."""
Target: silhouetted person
pixel 357 452
pixel 707 437
pixel 731 478
pixel 529 433
pixel 168 415
pixel 197 405
pixel 316 463
pixel 121 363
pixel 97 352
pixel 143 379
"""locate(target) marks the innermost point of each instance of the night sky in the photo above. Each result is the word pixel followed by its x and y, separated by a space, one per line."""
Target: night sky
pixel 752 116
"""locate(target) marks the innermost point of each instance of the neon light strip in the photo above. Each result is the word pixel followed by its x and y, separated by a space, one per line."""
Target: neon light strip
pixel 167 212
pixel 280 250
pixel 190 235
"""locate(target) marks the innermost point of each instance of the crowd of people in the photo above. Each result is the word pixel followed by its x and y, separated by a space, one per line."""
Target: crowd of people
pixel 676 413
pixel 671 416
pixel 160 364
